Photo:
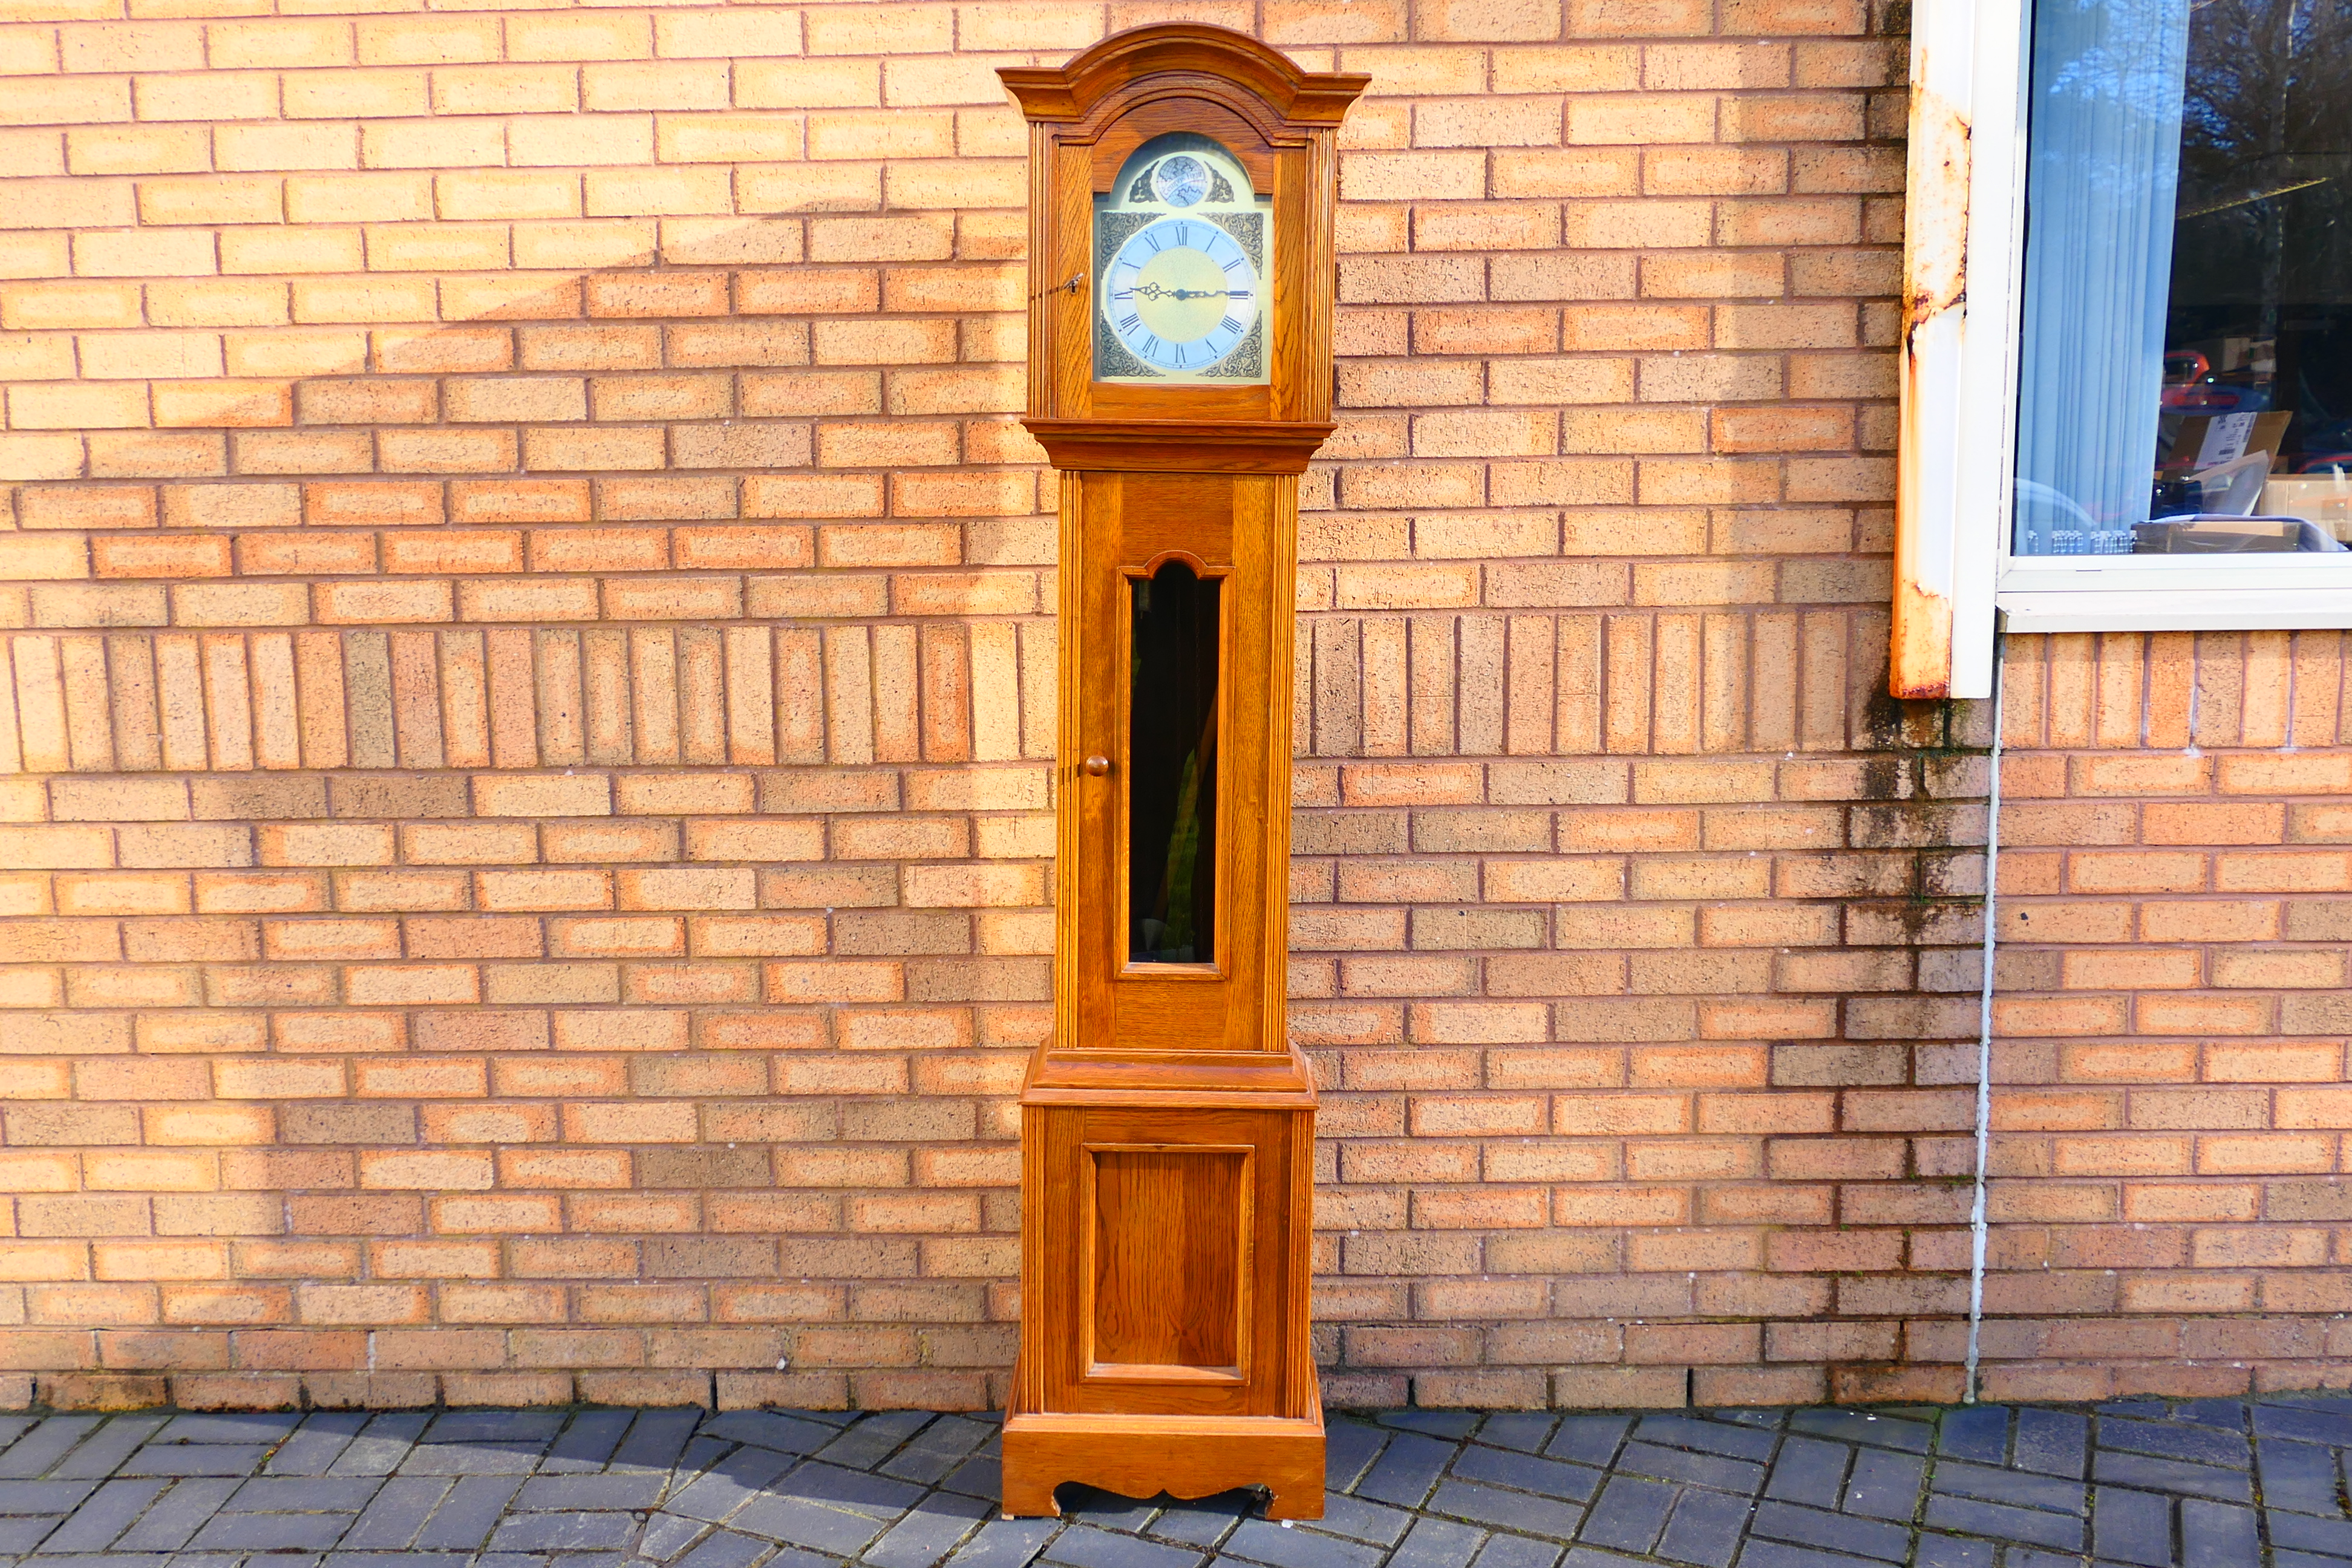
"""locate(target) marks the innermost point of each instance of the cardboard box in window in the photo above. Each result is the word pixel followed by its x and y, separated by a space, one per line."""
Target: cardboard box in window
pixel 2326 499
pixel 2210 534
pixel 2188 442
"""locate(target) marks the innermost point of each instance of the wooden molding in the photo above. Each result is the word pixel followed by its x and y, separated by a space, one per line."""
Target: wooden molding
pixel 1070 92
pixel 1181 445
pixel 1098 1075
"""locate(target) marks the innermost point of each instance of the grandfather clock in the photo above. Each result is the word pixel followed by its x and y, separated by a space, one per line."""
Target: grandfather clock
pixel 1181 189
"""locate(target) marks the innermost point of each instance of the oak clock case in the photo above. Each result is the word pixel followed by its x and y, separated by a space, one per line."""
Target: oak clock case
pixel 1181 194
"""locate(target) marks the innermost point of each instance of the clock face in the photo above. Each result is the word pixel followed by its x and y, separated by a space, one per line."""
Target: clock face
pixel 1180 264
pixel 1182 294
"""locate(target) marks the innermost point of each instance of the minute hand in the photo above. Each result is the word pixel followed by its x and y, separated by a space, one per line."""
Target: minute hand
pixel 1155 292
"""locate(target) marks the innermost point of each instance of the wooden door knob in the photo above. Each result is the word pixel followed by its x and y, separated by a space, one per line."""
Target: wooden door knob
pixel 1095 767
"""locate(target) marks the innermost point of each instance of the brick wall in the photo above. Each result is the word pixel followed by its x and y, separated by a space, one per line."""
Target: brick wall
pixel 2172 1098
pixel 524 750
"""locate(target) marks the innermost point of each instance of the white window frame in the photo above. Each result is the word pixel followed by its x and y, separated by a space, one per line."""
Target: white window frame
pixel 1970 60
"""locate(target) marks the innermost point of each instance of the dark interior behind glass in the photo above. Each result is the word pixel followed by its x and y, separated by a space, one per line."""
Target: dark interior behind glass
pixel 1171 773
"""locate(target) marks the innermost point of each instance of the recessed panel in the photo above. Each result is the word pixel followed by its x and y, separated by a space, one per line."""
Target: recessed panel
pixel 1171 1235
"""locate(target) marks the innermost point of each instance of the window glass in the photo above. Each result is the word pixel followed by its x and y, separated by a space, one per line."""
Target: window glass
pixel 2186 370
pixel 1172 772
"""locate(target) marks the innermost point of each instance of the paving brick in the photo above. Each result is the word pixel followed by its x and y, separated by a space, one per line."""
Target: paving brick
pixel 33 1453
pixel 1105 1511
pixel 2301 1477
pixel 1005 1543
pixel 564 1532
pixel 800 1522
pixel 393 1560
pixel 295 1494
pixel 937 1449
pixel 1588 1439
pixel 1778 1554
pixel 1506 1510
pixel 533 1426
pixel 107 1513
pixel 464 1518
pixel 1264 1541
pixel 617 1491
pixel 2303 1426
pixel 195 1459
pixel 2008 1487
pixel 2284 1558
pixel 1083 1546
pixel 1856 1426
pixel 471 1459
pixel 586 1444
pixel 1833 1532
pixel 2058 1530
pixel 1808 1471
pixel 271 1531
pixel 928 1532
pixel 979 1476
pixel 1706 1529
pixel 1406 1470
pixel 730 1484
pixel 1528 1473
pixel 2054 1442
pixel 2172 1476
pixel 109 1446
pixel 668 1534
pixel 766 1429
pixel 399 1511
pixel 317 1444
pixel 1936 1550
pixel 1342 1515
pixel 2332 1537
pixel 874 1438
pixel 1526 1430
pixel 232 1426
pixel 1436 1543
pixel 378 1449
pixel 2198 1445
pixel 719 1549
pixel 655 1439
pixel 25 1531
pixel 1885 1485
pixel 2216 1535
pixel 2131 1526
pixel 1347 1447
pixel 1729 1438
pixel 177 1516
pixel 1503 1550
pixel 1700 1470
pixel 43 1497
pixel 1631 1513
pixel 1979 1433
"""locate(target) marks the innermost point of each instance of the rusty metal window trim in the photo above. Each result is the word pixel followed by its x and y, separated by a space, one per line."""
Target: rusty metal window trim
pixel 1963 266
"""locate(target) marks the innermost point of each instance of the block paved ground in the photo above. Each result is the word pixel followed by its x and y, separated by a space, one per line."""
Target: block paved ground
pixel 2209 1483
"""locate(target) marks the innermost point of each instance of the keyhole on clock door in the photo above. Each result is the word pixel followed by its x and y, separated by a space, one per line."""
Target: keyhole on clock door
pixel 1171 774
